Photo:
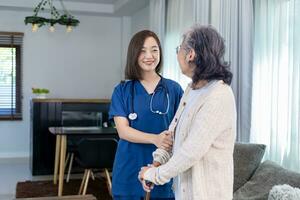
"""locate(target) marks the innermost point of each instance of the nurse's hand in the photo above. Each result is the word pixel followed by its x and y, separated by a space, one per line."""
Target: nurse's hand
pixel 164 140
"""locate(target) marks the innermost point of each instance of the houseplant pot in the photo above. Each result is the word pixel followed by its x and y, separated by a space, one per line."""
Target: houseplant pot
pixel 40 93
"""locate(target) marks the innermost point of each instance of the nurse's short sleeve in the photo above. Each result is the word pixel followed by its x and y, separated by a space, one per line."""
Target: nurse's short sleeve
pixel 117 105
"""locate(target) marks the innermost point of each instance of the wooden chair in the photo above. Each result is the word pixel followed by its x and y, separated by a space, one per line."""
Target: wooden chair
pixel 96 153
pixel 71 118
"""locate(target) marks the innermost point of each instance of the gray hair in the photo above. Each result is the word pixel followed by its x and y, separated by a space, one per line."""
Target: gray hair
pixel 209 48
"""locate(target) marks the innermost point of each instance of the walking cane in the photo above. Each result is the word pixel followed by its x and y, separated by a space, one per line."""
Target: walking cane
pixel 148 183
pixel 155 164
pixel 147 197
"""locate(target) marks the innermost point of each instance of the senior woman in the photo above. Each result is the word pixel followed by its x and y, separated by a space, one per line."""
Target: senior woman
pixel 204 125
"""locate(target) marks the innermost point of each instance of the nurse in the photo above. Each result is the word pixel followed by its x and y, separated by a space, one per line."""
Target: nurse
pixel 142 108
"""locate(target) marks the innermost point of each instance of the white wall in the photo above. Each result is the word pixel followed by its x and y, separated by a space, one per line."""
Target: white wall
pixel 83 64
pixel 126 27
pixel 140 20
pixel 86 63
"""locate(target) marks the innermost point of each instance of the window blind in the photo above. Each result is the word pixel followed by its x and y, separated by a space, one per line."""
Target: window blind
pixel 10 75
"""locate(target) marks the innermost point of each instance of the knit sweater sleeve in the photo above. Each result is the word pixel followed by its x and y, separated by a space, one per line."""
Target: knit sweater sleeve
pixel 214 116
pixel 161 156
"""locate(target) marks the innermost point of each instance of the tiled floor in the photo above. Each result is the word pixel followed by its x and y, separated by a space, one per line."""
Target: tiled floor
pixel 6 196
pixel 16 170
pixel 11 172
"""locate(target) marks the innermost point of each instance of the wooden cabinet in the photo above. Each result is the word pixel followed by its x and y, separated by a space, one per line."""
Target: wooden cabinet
pixel 59 112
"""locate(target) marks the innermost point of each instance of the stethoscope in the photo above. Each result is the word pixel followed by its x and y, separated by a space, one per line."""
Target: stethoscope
pixel 161 85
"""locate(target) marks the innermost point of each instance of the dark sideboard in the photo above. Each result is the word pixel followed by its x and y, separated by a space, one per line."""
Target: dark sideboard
pixel 45 113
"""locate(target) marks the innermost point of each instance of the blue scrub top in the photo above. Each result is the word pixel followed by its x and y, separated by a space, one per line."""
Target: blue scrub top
pixel 130 157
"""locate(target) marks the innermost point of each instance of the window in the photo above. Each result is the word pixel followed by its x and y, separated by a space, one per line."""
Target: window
pixel 276 81
pixel 10 76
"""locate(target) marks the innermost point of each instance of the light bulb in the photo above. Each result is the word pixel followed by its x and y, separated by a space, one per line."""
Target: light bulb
pixel 69 29
pixel 51 29
pixel 34 27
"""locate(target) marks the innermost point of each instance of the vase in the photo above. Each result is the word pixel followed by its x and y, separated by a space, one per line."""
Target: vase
pixel 41 96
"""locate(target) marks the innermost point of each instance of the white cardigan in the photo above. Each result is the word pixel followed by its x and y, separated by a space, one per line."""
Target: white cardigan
pixel 204 162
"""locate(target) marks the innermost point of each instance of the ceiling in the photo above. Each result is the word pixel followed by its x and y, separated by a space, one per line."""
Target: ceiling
pixel 84 7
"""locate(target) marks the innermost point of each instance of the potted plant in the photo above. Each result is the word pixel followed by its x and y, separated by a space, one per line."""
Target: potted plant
pixel 40 92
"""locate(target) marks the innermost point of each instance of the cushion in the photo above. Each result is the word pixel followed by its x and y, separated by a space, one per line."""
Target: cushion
pixel 284 192
pixel 247 158
pixel 265 177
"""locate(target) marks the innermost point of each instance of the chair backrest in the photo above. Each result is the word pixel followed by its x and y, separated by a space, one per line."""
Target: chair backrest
pixel 97 152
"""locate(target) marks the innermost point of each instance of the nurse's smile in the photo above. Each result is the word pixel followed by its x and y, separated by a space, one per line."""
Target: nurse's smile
pixel 149 62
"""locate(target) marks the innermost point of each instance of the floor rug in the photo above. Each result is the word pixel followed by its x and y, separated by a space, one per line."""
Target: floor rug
pixel 29 189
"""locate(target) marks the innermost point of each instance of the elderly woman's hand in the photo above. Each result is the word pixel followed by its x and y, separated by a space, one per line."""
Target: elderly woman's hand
pixel 147 186
pixel 164 141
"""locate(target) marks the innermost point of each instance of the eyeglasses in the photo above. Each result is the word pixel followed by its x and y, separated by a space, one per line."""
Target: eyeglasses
pixel 178 49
